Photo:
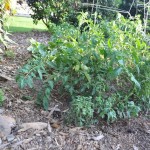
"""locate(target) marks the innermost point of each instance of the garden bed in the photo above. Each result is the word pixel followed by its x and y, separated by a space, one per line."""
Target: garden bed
pixel 129 134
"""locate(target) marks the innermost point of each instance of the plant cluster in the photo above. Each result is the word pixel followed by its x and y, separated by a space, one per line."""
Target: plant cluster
pixel 102 68
pixel 85 111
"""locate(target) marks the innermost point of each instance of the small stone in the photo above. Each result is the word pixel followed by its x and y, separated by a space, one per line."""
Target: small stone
pixel 10 137
pixel 6 123
pixel 1 110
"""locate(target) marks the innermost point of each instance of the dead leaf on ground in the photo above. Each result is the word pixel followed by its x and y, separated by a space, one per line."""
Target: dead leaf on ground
pixel 33 125
pixel 55 125
pixel 97 138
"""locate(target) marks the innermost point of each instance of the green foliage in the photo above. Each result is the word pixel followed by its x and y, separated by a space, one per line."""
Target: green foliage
pixel 86 111
pixel 1 97
pixel 144 77
pixel 50 11
pixel 104 8
pixel 81 112
pixel 115 107
pixel 103 63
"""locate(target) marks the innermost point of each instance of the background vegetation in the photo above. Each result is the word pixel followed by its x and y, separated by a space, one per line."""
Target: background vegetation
pixel 99 59
pixel 101 69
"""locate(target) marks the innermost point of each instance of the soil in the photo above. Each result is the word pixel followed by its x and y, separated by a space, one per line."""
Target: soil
pixel 129 134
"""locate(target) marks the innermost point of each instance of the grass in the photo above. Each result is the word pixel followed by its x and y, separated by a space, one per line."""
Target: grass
pixel 23 24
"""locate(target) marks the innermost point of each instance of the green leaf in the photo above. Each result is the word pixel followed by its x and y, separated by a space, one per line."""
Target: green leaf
pixel 87 76
pixel 48 92
pixel 121 62
pixel 135 81
pixel 77 67
pixel 29 81
pixel 40 74
pixel 21 83
pixel 45 103
pixel 109 43
pixel 42 52
pixel 115 73
pixel 51 83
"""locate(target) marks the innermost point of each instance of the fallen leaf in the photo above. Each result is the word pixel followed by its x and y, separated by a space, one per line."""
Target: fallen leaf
pixel 33 125
pixel 55 125
pixel 97 138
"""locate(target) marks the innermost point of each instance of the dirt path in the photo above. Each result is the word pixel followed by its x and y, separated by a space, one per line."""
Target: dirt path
pixel 133 134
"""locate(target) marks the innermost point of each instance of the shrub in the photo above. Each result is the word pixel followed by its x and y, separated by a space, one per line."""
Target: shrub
pixel 50 11
pixel 114 107
pixel 86 111
pixel 105 61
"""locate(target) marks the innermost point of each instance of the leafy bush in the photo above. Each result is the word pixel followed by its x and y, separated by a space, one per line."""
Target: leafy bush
pixel 85 111
pixel 81 112
pixel 1 97
pixel 104 62
pixel 50 11
pixel 115 107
